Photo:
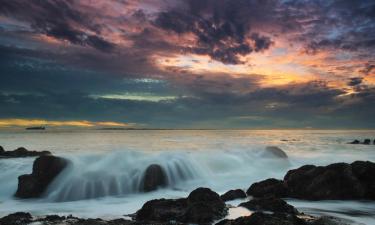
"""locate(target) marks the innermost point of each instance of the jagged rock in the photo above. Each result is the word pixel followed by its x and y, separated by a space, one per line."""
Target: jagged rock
pixel 201 206
pixel 335 181
pixel 21 152
pixel 269 204
pixel 274 151
pixel 233 194
pixel 154 177
pixel 269 187
pixel 45 169
pixel 18 218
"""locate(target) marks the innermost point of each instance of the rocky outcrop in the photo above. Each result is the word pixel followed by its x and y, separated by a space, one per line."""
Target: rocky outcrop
pixel 366 141
pixel 274 152
pixel 339 181
pixel 269 204
pixel 21 152
pixel 233 194
pixel 201 206
pixel 154 178
pixel 268 188
pixel 45 169
pixel 18 218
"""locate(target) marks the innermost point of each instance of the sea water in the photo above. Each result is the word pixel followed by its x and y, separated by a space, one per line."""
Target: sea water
pixel 104 177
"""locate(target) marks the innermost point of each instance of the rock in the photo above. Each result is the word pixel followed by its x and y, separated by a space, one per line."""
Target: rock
pixel 269 204
pixel 18 218
pixel 367 142
pixel 201 206
pixel 45 169
pixel 154 177
pixel 21 152
pixel 354 142
pixel 259 218
pixel 365 173
pixel 336 181
pixel 233 194
pixel 1 150
pixel 269 187
pixel 274 152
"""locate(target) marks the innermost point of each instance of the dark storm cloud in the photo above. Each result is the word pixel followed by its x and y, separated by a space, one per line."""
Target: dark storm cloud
pixel 57 19
pixel 354 81
pixel 222 30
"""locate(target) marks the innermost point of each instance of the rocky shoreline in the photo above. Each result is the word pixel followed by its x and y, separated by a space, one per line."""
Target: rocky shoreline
pixel 339 181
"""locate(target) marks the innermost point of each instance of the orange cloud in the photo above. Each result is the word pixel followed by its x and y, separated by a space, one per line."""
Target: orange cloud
pixel 54 123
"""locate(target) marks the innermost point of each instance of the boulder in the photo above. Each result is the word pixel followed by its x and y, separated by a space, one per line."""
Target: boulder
pixel 233 194
pixel 269 204
pixel 22 152
pixel 18 218
pixel 201 206
pixel 1 150
pixel 260 218
pixel 154 177
pixel 367 142
pixel 335 181
pixel 269 187
pixel 355 142
pixel 274 152
pixel 45 169
pixel 365 173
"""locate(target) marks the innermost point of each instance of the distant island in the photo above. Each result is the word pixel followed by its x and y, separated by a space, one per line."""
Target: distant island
pixel 36 128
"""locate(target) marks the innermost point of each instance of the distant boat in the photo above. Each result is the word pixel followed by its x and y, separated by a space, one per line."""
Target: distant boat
pixel 35 128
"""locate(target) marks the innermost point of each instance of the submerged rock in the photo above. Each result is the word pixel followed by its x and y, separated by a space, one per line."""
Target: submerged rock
pixel 45 169
pixel 21 152
pixel 274 151
pixel 233 194
pixel 259 218
pixel 267 188
pixel 154 177
pixel 269 204
pixel 355 142
pixel 367 142
pixel 201 206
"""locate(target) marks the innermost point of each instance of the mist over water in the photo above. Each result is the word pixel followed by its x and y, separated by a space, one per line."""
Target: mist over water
pixel 106 169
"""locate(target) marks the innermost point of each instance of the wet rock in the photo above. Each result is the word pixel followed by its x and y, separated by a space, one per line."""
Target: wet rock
pixel 45 169
pixel 365 173
pixel 233 194
pixel 154 177
pixel 259 218
pixel 355 142
pixel 274 152
pixel 1 150
pixel 336 181
pixel 18 218
pixel 269 187
pixel 201 206
pixel 21 152
pixel 367 142
pixel 269 204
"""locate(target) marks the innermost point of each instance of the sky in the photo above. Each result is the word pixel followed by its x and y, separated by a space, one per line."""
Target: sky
pixel 233 64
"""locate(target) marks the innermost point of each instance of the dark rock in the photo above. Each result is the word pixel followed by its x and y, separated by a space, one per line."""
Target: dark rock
pixel 336 181
pixel 269 187
pixel 367 142
pixel 365 173
pixel 201 206
pixel 154 177
pixel 1 150
pixel 233 194
pixel 45 169
pixel 269 204
pixel 274 151
pixel 354 142
pixel 18 218
pixel 22 152
pixel 259 218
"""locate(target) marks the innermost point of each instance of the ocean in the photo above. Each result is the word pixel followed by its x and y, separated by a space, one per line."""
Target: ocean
pixel 107 165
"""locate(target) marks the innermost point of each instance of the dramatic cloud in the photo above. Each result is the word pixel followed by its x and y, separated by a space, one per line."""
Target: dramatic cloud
pixel 188 63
